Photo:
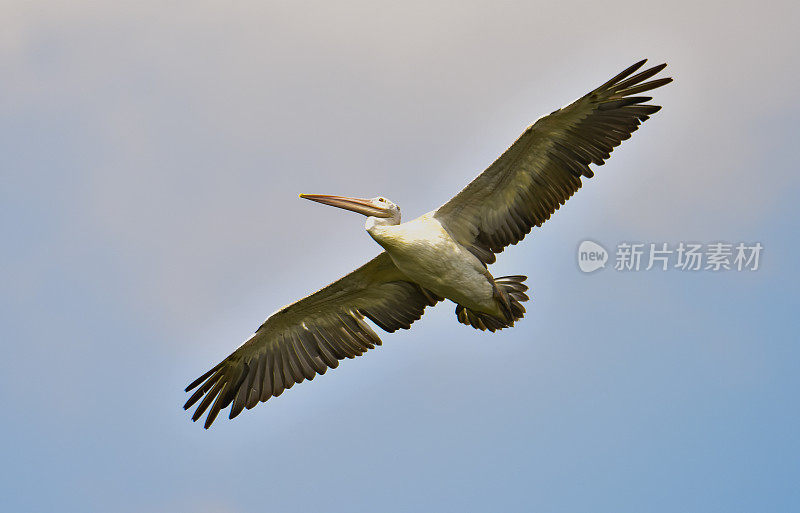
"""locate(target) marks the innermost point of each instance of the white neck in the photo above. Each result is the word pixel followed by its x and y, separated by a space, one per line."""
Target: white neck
pixel 380 228
pixel 373 222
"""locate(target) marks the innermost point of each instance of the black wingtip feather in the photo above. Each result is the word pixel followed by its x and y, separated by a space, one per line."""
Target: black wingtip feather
pixel 215 409
pixel 193 399
pixel 647 86
pixel 202 378
pixel 623 102
pixel 623 74
pixel 640 77
pixel 206 402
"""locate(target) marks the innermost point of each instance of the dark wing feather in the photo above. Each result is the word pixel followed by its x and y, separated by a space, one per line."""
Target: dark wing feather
pixel 543 168
pixel 308 337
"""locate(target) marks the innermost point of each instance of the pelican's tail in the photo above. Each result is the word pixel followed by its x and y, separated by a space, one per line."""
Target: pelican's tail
pixel 510 293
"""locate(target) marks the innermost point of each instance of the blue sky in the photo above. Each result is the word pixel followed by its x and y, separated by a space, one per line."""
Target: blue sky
pixel 150 161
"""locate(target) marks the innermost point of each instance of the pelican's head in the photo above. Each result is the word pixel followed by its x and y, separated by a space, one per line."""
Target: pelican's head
pixel 379 210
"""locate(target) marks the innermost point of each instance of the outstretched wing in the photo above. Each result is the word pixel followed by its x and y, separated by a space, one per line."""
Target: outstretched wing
pixel 543 168
pixel 308 337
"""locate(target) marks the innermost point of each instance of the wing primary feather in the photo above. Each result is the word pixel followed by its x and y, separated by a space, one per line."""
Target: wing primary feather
pixel 312 352
pixel 242 394
pixel 291 371
pixel 349 324
pixel 627 71
pixel 345 342
pixel 277 374
pixel 268 388
pixel 378 319
pixel 398 320
pixel 337 335
pixel 258 382
pixel 204 376
pixel 647 86
pixel 622 102
pixel 640 77
pixel 218 405
pixel 206 402
pixel 331 354
pixel 325 353
pixel 230 393
pixel 302 359
pixel 202 390
pixel 367 332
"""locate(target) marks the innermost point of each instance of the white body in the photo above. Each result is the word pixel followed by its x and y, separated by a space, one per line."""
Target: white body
pixel 424 251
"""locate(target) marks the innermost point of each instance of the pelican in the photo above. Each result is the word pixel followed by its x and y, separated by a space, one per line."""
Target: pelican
pixel 443 254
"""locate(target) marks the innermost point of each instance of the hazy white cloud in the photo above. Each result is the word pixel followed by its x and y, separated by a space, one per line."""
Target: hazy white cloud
pixel 199 123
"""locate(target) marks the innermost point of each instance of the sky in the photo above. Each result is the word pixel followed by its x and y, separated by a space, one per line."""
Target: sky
pixel 151 154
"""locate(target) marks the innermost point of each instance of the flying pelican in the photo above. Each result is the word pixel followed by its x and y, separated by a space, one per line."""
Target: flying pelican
pixel 442 254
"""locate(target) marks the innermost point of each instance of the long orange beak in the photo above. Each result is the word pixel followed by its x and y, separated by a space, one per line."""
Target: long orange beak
pixel 363 206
